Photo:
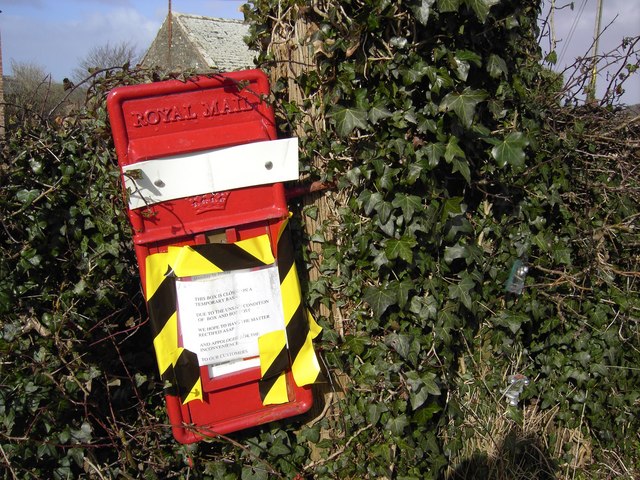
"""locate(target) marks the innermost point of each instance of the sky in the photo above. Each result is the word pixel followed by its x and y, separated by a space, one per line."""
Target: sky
pixel 620 18
pixel 58 34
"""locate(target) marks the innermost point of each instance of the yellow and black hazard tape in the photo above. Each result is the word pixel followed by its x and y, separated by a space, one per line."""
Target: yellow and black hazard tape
pixel 179 367
pixel 294 349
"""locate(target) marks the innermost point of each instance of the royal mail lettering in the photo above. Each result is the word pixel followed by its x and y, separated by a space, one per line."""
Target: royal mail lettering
pixel 154 116
pixel 226 106
pixel 180 113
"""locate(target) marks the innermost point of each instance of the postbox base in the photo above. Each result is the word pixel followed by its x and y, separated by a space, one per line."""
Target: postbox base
pixel 229 410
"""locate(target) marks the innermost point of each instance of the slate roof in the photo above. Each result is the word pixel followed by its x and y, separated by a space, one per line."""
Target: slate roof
pixel 202 43
pixel 220 40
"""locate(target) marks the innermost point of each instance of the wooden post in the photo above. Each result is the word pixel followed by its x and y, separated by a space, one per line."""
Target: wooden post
pixel 293 52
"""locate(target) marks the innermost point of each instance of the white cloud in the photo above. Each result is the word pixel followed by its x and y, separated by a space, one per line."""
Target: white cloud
pixel 120 24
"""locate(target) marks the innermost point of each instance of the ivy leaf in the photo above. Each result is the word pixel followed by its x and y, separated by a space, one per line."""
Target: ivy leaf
pixel 310 434
pixel 387 179
pixel 384 210
pixel 251 473
pixel 455 226
pixel 463 59
pixel 357 343
pixel 348 119
pixel 463 104
pixel 279 448
pixel 353 175
pixel 396 425
pixel 562 254
pixel 469 56
pixel 361 98
pixel 513 321
pixel 462 69
pixel 421 386
pixel 417 394
pixel 25 196
pixel 462 166
pixel 453 150
pixel 380 260
pixel 426 413
pixel 425 306
pixel 510 150
pixel 401 343
pixel 439 78
pixel 374 411
pixel 83 434
pixel 408 203
pixel 448 5
pixel 455 252
pixel 414 170
pixel 481 7
pixel 388 227
pixel 461 291
pixel 402 248
pixel 423 10
pixel 379 299
pixel 496 66
pixel 452 208
pixel 429 380
pixel 411 75
pixel 402 290
pixel 427 125
pixel 435 151
pixel 378 112
pixel 369 201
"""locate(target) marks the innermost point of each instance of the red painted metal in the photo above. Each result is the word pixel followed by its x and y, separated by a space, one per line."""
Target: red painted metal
pixel 157 120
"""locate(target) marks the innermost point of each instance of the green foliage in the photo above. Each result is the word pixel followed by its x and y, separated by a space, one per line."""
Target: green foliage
pixel 69 299
pixel 455 161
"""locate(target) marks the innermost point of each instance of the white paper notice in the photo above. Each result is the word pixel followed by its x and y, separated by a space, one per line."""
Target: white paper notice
pixel 222 315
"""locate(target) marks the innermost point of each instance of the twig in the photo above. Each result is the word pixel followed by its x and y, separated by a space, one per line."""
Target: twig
pixel 624 125
pixel 339 451
pixel 38 198
pixel 94 467
pixel 75 87
pixel 579 428
pixel 6 459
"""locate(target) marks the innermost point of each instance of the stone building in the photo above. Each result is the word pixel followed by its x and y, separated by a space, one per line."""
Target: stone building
pixel 201 43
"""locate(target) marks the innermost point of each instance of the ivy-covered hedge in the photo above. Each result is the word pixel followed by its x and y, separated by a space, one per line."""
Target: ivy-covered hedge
pixel 452 162
pixel 74 366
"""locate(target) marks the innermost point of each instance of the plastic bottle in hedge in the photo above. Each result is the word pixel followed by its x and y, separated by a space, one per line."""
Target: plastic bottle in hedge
pixel 516 384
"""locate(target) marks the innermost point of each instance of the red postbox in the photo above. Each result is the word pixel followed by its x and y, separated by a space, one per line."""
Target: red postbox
pixel 202 173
